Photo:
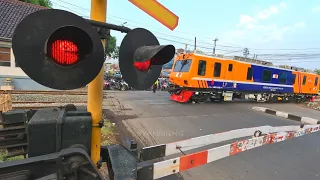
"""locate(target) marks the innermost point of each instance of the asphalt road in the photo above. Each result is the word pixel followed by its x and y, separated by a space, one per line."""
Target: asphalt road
pixel 154 119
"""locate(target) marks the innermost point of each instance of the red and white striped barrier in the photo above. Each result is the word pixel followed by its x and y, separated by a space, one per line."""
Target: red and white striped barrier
pixel 162 150
pixel 182 163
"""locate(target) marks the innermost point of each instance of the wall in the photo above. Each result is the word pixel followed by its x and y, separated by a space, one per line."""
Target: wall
pixel 19 79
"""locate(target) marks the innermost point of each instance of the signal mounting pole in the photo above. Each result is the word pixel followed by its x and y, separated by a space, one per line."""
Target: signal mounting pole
pixel 95 87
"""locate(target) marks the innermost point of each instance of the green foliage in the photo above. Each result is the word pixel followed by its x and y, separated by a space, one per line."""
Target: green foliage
pixel 3 158
pixel 44 3
pixel 115 54
pixel 111 49
pixel 317 71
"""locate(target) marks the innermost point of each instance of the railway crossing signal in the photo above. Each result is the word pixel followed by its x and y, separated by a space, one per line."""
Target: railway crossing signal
pixel 64 54
pixel 141 58
pixel 67 53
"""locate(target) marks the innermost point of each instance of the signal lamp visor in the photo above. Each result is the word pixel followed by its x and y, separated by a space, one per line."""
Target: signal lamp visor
pixel 164 55
pixel 68 45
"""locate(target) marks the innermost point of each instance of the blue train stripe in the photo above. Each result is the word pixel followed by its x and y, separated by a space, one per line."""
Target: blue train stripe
pixel 242 82
pixel 246 86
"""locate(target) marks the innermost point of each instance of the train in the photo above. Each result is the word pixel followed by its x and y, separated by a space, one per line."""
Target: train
pixel 197 78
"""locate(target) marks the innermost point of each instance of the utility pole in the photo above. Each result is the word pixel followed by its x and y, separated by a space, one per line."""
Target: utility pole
pixel 185 48
pixel 195 44
pixel 214 46
pixel 255 56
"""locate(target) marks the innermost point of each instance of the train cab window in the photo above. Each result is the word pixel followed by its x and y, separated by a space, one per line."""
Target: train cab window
pixel 282 78
pixel 316 82
pixel 230 67
pixel 304 80
pixel 202 68
pixel 266 76
pixel 293 79
pixel 217 69
pixel 249 73
pixel 182 65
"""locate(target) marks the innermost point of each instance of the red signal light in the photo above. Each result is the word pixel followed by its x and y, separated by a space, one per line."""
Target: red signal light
pixel 64 52
pixel 142 66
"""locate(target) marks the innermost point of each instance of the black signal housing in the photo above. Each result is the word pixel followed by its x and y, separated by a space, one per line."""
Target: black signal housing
pixel 72 64
pixel 141 58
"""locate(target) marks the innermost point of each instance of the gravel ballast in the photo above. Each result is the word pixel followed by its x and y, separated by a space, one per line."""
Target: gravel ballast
pixel 49 98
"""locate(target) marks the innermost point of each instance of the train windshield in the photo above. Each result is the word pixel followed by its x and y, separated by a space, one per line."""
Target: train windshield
pixel 182 65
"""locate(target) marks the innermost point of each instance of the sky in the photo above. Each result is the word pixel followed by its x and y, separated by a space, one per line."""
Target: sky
pixel 282 32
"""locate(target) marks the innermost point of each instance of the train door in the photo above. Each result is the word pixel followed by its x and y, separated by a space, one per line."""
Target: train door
pixel 304 83
pixel 296 82
pixel 217 70
pixel 229 75
pixel 318 85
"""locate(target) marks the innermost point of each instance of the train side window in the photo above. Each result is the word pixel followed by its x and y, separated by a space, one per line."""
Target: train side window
pixel 266 76
pixel 304 80
pixel 316 82
pixel 293 79
pixel 282 78
pixel 249 73
pixel 217 69
pixel 230 67
pixel 202 68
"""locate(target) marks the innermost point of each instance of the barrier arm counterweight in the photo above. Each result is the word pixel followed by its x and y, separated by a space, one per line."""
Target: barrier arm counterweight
pixel 95 87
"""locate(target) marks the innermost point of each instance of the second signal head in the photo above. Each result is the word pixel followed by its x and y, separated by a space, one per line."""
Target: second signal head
pixel 141 58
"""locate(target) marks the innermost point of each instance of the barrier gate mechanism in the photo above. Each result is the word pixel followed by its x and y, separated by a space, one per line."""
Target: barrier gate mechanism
pixel 262 135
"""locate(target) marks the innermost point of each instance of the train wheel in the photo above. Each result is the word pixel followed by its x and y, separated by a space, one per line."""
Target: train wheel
pixel 202 100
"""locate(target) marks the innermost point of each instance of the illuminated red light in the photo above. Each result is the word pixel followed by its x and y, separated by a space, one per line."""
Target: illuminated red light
pixel 142 66
pixel 64 52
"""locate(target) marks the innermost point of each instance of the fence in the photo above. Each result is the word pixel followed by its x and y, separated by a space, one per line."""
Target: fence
pixel 5 102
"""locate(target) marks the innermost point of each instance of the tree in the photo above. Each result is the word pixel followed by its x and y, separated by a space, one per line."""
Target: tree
pixel 44 3
pixel 115 54
pixel 111 49
pixel 317 71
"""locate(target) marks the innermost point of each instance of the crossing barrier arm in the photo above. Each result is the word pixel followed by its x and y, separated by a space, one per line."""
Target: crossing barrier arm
pixel 189 161
pixel 162 150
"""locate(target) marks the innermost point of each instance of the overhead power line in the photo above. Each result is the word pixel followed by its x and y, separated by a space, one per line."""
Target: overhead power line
pixel 206 45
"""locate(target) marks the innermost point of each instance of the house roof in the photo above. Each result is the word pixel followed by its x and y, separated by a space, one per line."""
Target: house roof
pixel 11 13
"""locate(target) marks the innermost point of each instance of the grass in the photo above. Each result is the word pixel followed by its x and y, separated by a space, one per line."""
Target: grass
pixel 3 158
pixel 108 136
pixel 314 105
pixel 108 133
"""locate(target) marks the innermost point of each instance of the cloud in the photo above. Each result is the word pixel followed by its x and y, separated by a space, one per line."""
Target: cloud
pixel 299 25
pixel 249 21
pixel 245 19
pixel 263 33
pixel 252 28
pixel 316 9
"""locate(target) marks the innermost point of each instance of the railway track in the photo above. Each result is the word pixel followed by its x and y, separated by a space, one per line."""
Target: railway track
pixel 45 92
pixel 45 102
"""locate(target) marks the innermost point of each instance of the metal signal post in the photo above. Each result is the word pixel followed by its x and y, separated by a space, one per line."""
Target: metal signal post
pixel 95 87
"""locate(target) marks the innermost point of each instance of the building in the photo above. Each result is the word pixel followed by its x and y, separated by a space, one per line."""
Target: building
pixel 11 13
